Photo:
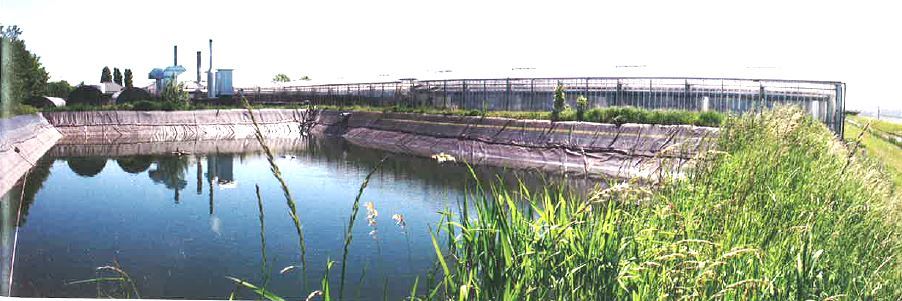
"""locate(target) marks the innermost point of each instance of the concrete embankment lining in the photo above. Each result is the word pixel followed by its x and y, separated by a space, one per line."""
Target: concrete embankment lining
pixel 629 150
pixel 105 127
pixel 23 140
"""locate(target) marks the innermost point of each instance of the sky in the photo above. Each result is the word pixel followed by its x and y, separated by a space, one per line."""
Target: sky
pixel 368 41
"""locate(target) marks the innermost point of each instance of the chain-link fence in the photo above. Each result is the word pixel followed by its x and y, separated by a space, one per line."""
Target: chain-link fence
pixel 824 100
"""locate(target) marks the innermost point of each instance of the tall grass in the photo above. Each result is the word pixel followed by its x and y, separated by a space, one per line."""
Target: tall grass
pixel 277 173
pixel 779 212
pixel 349 235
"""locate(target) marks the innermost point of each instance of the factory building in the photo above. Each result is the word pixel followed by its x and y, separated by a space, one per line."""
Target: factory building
pixel 221 80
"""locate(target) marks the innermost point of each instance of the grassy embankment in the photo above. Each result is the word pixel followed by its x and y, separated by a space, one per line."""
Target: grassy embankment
pixel 780 212
pixel 617 115
pixel 887 153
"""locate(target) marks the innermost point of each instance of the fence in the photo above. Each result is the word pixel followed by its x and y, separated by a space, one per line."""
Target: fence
pixel 824 100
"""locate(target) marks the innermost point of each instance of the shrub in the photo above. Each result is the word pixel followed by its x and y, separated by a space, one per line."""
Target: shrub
pixel 132 95
pixel 709 119
pixel 175 93
pixel 22 109
pixel 59 89
pixel 582 103
pixel 86 95
pixel 145 105
pixel 559 102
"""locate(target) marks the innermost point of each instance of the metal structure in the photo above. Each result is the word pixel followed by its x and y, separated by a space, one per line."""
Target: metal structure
pixel 825 100
pixel 211 91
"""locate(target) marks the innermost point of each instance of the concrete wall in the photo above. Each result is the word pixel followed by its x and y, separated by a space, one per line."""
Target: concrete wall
pixel 32 136
pixel 629 150
pixel 135 126
pixel 625 151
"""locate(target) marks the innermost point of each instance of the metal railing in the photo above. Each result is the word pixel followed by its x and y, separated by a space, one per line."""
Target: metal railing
pixel 823 99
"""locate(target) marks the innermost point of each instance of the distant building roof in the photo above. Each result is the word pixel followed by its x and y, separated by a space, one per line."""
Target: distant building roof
pixel 156 73
pixel 109 87
pixel 46 101
pixel 173 71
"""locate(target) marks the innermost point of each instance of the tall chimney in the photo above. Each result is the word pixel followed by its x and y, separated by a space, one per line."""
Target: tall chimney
pixel 210 68
pixel 211 87
pixel 175 55
pixel 198 67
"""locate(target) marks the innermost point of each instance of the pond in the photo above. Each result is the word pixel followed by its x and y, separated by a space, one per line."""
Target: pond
pixel 179 224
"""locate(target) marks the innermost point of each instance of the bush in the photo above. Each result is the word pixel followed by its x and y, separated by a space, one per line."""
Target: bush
pixel 145 105
pixel 132 95
pixel 59 89
pixel 559 102
pixel 709 119
pixel 23 109
pixel 175 93
pixel 86 95
pixel 474 113
pixel 582 103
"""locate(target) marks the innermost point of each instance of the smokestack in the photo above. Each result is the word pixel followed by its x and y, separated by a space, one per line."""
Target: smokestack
pixel 175 55
pixel 198 67
pixel 210 68
pixel 211 87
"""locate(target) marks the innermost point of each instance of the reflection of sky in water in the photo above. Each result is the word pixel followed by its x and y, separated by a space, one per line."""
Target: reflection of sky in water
pixel 180 224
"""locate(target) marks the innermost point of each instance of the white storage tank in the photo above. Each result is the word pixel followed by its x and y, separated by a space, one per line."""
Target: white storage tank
pixel 224 82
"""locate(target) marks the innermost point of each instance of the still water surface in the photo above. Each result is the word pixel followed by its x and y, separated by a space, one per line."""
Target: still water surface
pixel 180 224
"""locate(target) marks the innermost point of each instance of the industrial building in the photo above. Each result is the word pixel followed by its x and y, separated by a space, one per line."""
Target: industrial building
pixel 220 81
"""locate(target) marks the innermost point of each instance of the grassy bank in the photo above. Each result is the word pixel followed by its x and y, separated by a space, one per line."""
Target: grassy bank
pixel 888 154
pixel 779 212
pixel 880 125
pixel 616 115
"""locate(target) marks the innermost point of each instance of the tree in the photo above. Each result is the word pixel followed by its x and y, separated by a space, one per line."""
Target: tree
pixel 305 77
pixel 21 74
pixel 59 89
pixel 132 94
pixel 87 95
pixel 117 76
pixel 175 93
pixel 559 103
pixel 10 32
pixel 582 103
pixel 128 78
pixel 105 75
pixel 281 78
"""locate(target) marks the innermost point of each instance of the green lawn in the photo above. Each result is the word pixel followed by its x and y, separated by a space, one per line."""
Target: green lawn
pixel 888 154
pixel 880 125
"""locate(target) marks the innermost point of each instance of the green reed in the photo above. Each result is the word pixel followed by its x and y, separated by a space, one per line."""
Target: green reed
pixel 349 235
pixel 779 211
pixel 274 168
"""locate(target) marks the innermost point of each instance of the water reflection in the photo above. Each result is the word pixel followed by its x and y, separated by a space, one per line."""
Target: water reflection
pixel 87 166
pixel 134 164
pixel 185 250
pixel 171 171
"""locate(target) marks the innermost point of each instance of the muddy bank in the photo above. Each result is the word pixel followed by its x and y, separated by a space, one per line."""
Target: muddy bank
pixel 23 140
pixel 629 150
